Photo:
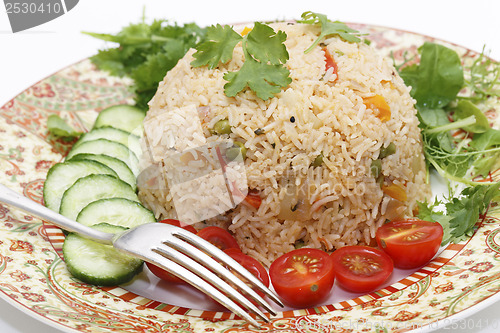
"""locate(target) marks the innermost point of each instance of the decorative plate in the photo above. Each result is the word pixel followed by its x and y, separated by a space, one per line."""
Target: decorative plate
pixel 34 278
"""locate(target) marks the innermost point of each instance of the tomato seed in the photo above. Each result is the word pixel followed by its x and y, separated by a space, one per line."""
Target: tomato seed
pixel 415 236
pixel 360 265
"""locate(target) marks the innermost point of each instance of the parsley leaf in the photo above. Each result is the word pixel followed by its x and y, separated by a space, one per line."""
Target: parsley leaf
pixel 265 55
pixel 329 28
pixel 218 47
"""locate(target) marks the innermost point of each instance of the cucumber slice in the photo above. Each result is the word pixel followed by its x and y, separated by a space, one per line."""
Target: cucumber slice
pixel 92 188
pixel 124 117
pixel 96 263
pixel 115 211
pixel 62 176
pixel 110 148
pixel 118 166
pixel 113 134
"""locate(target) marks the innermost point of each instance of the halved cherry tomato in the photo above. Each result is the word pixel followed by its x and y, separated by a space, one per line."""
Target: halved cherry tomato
pixel 410 243
pixel 361 269
pixel 160 272
pixel 219 237
pixel 163 274
pixel 178 223
pixel 303 277
pixel 252 265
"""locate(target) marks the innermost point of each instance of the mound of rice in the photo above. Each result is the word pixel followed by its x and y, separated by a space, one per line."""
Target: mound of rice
pixel 341 200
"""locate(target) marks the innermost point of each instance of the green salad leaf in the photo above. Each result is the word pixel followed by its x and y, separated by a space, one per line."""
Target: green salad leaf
pixel 329 28
pixel 465 109
pixel 265 55
pixel 438 78
pixel 59 128
pixel 484 78
pixel 436 82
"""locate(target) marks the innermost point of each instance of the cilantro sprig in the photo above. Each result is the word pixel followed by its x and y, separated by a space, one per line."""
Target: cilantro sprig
pixel 329 28
pixel 145 52
pixel 263 70
pixel 461 212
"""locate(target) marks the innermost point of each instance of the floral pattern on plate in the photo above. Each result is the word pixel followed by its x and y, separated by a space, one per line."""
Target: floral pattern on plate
pixel 35 280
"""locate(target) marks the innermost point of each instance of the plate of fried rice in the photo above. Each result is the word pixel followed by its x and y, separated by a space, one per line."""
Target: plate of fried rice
pixel 309 155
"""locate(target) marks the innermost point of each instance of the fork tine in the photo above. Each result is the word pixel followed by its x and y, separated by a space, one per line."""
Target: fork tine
pixel 206 246
pixel 186 264
pixel 219 269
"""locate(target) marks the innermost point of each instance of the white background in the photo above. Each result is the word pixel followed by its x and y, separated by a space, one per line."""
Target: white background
pixel 26 57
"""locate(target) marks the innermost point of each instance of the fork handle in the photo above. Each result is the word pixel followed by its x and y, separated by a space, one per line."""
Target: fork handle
pixel 14 199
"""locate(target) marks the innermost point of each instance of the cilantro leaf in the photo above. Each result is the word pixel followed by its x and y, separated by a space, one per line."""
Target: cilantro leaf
pixel 329 28
pixel 218 47
pixel 265 54
pixel 59 128
pixel 465 211
pixel 428 212
pixel 265 80
pixel 265 45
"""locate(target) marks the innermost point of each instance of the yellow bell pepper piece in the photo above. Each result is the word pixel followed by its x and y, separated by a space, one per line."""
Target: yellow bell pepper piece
pixel 245 31
pixel 378 102
pixel 395 192
pixel 389 82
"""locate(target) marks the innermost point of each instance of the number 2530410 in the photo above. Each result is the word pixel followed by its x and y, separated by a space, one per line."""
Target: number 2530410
pixel 32 8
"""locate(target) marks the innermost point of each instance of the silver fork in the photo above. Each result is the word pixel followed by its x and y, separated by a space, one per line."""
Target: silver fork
pixel 176 250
